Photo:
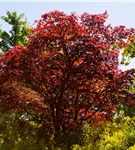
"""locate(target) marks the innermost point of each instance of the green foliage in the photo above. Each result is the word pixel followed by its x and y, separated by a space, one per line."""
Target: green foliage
pixel 18 131
pixel 18 33
pixel 116 135
pixel 131 148
pixel 128 53
pixel 69 138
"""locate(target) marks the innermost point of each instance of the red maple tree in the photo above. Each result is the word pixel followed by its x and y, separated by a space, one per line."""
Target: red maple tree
pixel 69 71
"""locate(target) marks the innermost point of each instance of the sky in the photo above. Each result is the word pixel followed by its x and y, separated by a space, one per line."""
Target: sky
pixel 120 13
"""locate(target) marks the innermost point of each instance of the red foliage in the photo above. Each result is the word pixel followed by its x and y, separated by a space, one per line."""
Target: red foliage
pixel 69 71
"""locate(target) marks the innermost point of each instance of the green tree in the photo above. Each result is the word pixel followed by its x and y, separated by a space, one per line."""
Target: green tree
pixel 128 52
pixel 116 135
pixel 18 34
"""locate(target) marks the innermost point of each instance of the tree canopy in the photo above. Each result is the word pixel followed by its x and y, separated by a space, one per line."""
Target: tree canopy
pixel 68 73
pixel 18 33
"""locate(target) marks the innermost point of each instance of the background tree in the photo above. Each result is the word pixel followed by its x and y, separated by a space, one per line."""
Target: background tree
pixel 118 134
pixel 68 73
pixel 16 36
pixel 129 51
pixel 19 31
